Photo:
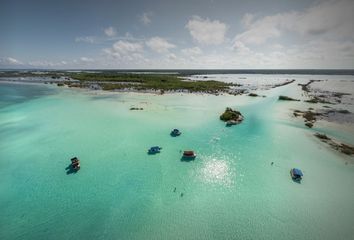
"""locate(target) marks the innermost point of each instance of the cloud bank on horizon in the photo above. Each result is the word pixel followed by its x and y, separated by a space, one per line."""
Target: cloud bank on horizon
pixel 165 35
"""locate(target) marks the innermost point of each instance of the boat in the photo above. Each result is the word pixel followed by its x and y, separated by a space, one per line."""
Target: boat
pixel 296 174
pixel 189 155
pixel 75 164
pixel 155 149
pixel 175 132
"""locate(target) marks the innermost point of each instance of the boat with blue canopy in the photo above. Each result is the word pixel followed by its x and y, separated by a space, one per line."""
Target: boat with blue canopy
pixel 155 149
pixel 296 174
pixel 175 132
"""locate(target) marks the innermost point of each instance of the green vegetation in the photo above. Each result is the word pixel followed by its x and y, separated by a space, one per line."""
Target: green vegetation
pixel 231 114
pixel 118 80
pixel 112 81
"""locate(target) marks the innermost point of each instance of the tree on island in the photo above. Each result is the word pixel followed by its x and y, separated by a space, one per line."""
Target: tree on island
pixel 231 116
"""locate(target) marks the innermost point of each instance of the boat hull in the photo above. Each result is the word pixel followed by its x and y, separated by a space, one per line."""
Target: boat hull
pixel 173 134
pixel 188 157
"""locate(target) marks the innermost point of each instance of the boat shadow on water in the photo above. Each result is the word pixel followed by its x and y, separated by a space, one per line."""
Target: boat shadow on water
pixel 187 159
pixel 70 169
pixel 188 156
pixel 298 181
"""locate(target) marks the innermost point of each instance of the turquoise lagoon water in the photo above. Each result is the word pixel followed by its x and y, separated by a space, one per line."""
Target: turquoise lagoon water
pixel 229 192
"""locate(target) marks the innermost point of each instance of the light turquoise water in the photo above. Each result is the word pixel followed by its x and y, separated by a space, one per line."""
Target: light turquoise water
pixel 229 192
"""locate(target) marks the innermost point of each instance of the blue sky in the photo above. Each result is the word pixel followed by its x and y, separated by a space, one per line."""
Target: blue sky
pixel 176 34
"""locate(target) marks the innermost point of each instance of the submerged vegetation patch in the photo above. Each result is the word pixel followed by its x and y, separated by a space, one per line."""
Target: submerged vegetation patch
pixel 336 145
pixel 285 98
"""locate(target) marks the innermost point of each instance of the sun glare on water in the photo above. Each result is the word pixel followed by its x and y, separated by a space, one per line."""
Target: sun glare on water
pixel 218 171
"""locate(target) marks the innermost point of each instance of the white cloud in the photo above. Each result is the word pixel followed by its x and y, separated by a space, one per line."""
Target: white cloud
pixel 82 62
pixel 10 61
pixel 86 60
pixel 241 48
pixel 124 54
pixel 13 61
pixel 260 31
pixel 110 31
pixel 42 64
pixel 207 32
pixel 192 51
pixel 145 18
pixel 313 54
pixel 171 57
pixel 327 19
pixel 321 36
pixel 87 39
pixel 247 20
pixel 107 38
pixel 159 44
pixel 125 47
pixel 125 51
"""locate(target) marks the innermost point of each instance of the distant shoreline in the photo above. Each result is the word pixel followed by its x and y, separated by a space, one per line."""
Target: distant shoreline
pixel 133 82
pixel 185 72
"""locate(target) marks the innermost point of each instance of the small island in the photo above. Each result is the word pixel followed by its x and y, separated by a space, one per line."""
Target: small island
pixel 231 117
